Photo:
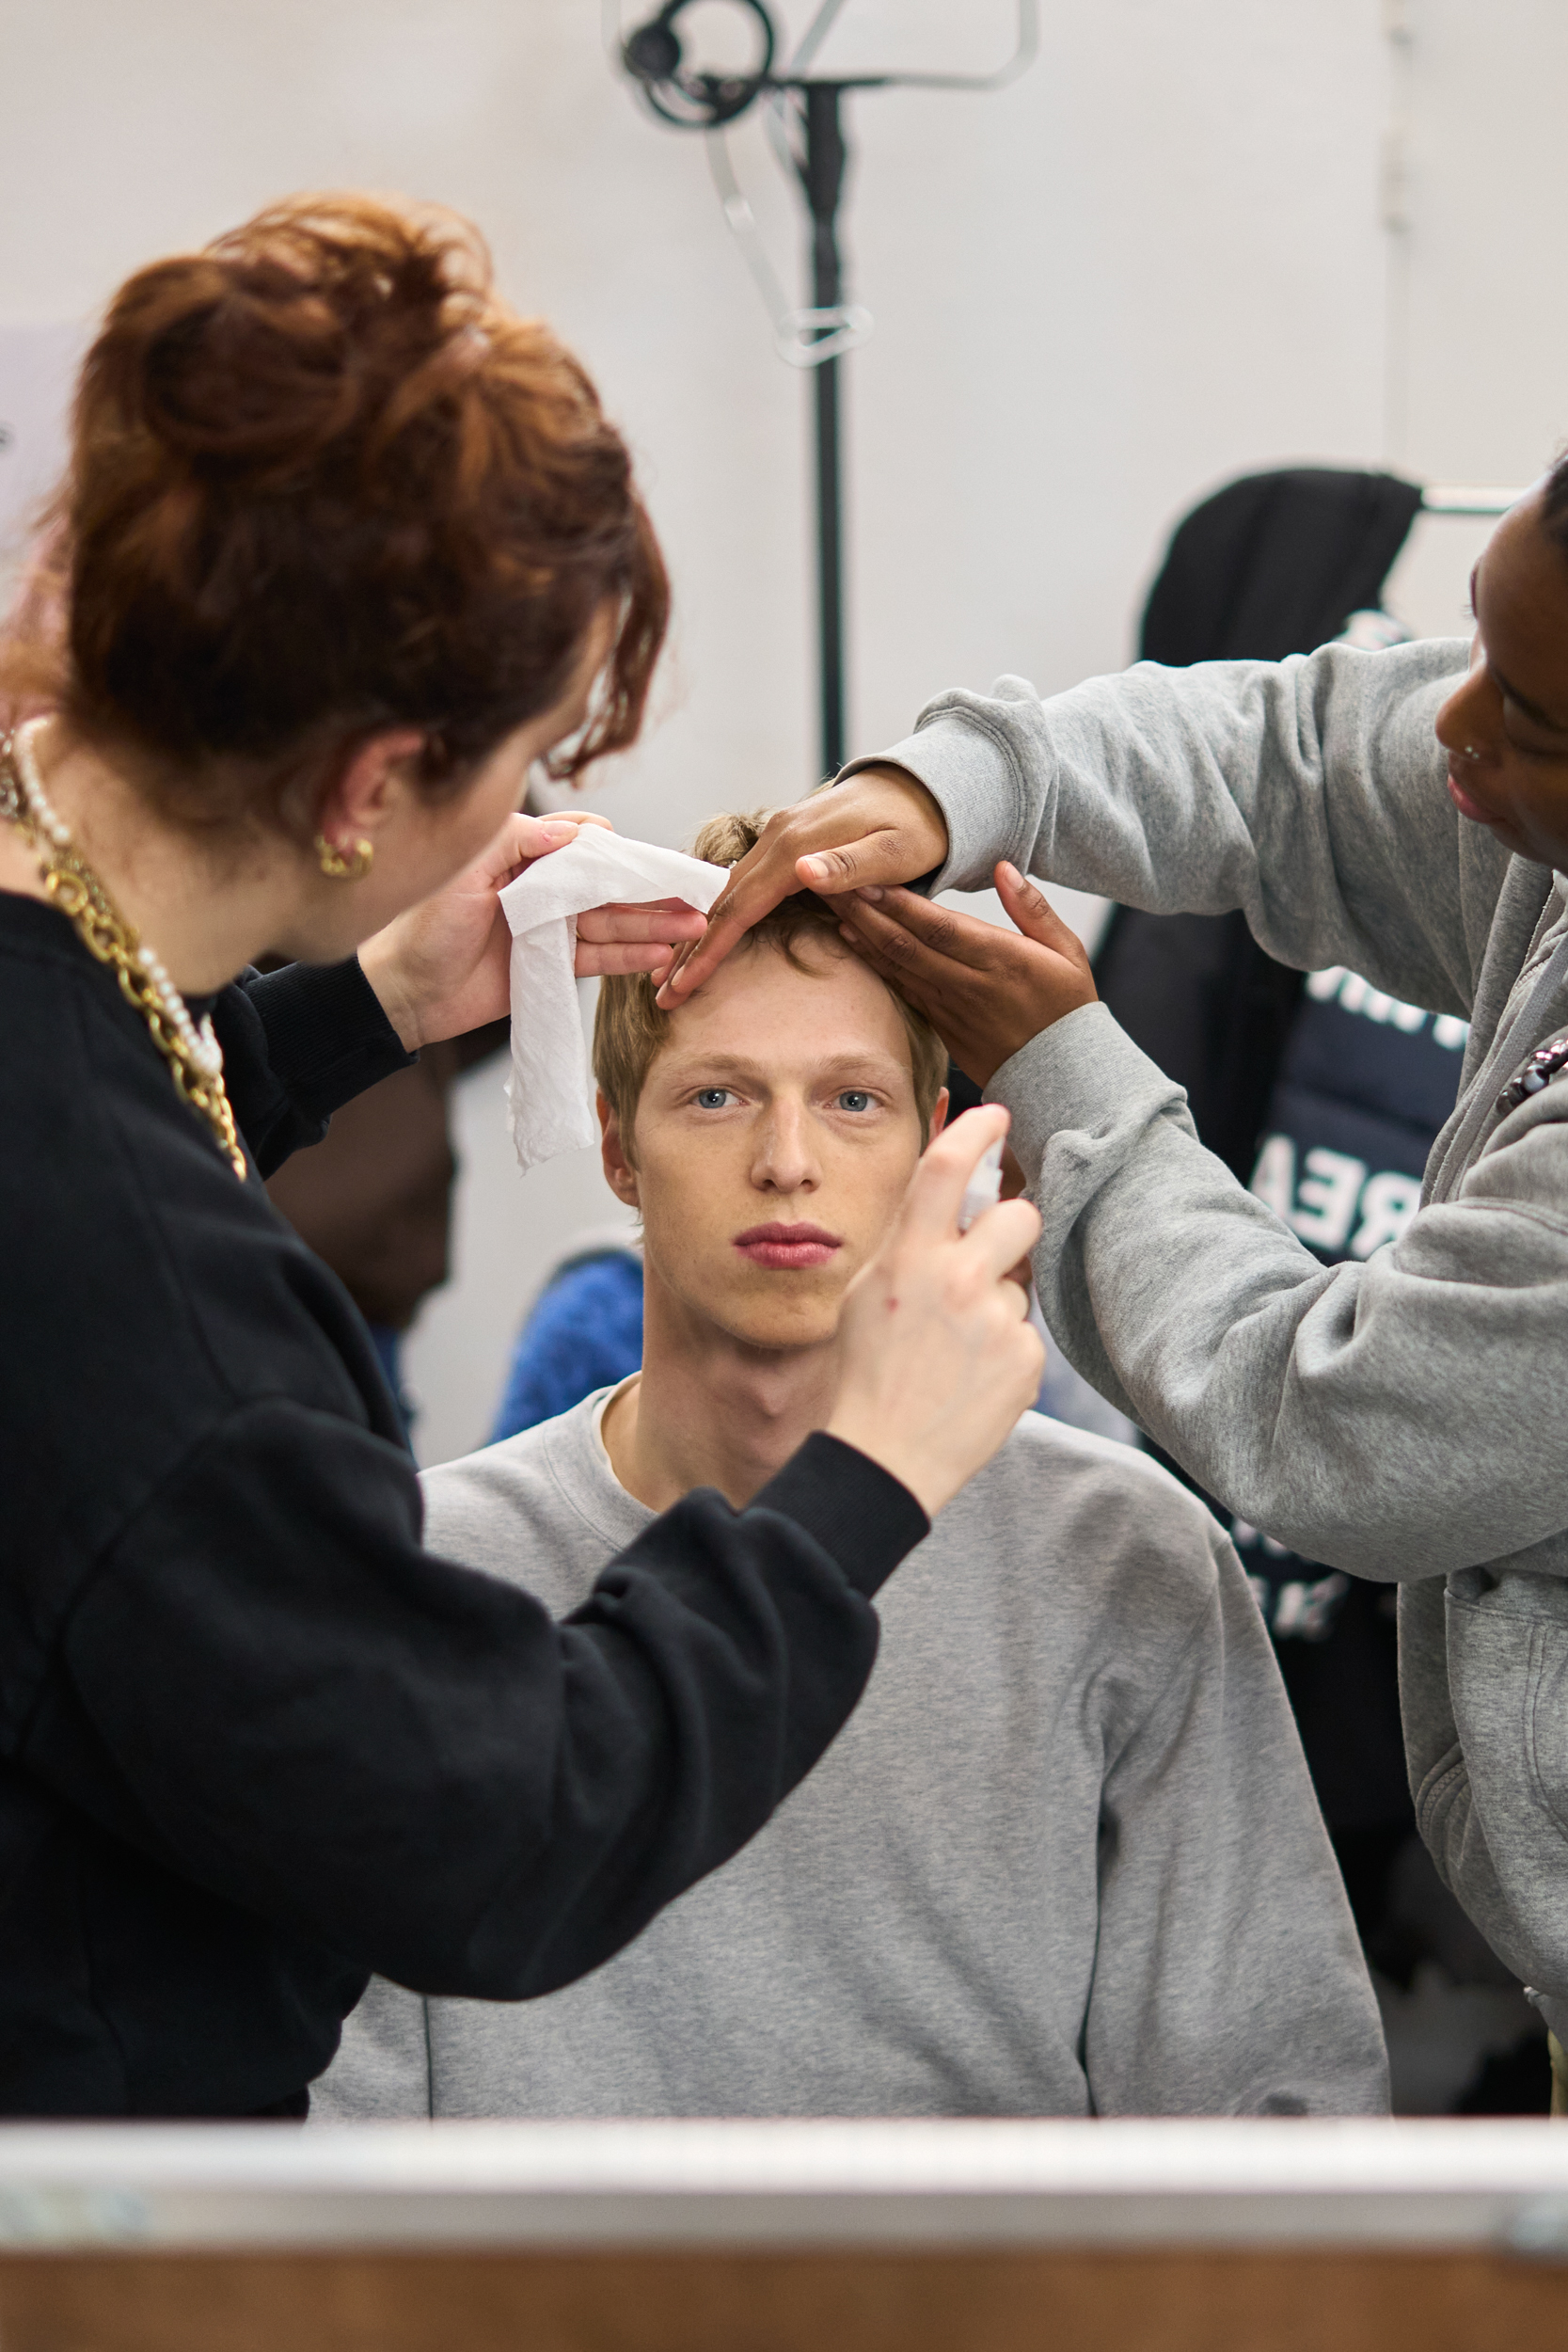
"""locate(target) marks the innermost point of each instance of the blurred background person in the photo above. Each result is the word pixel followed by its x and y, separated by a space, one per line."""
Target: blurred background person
pixel 374 1198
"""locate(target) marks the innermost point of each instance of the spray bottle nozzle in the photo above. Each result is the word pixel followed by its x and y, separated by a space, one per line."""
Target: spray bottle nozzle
pixel 984 1188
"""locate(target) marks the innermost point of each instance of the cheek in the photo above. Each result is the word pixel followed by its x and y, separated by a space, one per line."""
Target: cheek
pixel 686 1189
pixel 871 1185
pixel 499 798
pixel 1541 800
pixel 456 833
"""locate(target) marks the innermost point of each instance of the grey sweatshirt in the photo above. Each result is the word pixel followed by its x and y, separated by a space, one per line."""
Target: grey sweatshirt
pixel 1064 1859
pixel 1405 1418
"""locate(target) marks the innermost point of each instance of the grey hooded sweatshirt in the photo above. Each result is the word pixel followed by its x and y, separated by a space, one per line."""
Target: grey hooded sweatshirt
pixel 1403 1418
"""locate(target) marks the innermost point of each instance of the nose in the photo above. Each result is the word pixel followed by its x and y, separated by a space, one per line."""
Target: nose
pixel 1469 724
pixel 786 1159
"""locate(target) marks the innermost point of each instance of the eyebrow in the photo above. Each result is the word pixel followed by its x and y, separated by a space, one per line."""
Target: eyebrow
pixel 740 1066
pixel 1532 711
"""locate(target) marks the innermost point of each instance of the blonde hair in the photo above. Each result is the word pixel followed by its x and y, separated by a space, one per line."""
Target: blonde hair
pixel 629 1029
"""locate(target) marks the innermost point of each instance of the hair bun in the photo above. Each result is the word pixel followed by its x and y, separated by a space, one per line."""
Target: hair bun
pixel 324 481
pixel 317 323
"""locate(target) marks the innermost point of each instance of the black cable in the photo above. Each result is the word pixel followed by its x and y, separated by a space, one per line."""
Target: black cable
pixel 655 58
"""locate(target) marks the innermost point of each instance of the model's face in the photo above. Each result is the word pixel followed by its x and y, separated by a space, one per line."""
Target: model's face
pixel 1506 729
pixel 775 1137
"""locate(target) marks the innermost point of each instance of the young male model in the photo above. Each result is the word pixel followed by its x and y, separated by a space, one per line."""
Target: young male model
pixel 1064 1859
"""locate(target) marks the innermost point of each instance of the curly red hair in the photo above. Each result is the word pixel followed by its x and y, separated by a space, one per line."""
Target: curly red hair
pixel 324 481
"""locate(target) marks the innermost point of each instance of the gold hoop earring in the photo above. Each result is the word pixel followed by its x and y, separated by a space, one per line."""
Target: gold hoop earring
pixel 340 864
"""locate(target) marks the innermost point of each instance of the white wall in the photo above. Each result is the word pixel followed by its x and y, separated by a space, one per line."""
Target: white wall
pixel 1159 260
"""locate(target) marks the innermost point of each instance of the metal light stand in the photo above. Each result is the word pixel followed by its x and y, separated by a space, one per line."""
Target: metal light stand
pixel 819 337
pixel 821 171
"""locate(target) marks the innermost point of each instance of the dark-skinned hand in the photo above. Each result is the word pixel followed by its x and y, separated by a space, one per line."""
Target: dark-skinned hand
pixel 985 990
pixel 881 826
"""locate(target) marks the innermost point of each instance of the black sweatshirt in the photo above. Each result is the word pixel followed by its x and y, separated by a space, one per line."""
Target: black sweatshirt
pixel 254 1740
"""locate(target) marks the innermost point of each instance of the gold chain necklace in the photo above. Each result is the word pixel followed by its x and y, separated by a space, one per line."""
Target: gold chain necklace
pixel 195 1061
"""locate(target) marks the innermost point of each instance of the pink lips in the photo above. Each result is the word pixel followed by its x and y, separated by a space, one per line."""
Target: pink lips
pixel 1467 804
pixel 784 1247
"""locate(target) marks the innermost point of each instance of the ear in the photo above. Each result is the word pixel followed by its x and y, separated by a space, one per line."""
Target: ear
pixel 939 1109
pixel 371 784
pixel 619 1173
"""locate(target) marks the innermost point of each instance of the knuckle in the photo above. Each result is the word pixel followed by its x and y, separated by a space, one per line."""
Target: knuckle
pixel 966 1289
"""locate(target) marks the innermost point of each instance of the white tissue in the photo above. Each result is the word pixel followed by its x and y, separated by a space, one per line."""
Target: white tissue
pixel 550 1091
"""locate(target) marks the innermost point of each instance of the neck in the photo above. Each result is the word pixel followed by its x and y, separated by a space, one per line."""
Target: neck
pixel 206 916
pixel 709 1410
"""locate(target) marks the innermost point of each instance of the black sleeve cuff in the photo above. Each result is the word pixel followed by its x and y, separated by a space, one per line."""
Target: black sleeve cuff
pixel 858 1512
pixel 327 1038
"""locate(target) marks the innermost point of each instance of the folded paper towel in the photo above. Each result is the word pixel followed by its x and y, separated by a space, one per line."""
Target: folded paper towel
pixel 550 1091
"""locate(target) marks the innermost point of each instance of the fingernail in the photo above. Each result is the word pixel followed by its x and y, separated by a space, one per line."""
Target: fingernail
pixel 868 890
pixel 815 866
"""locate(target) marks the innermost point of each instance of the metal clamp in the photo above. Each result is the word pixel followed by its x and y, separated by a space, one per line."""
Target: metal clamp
pixel 806 338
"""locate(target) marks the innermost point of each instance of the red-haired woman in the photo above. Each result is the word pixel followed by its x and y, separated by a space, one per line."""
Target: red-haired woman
pixel 344 547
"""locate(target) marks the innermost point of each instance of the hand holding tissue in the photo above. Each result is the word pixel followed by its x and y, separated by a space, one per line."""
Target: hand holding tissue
pixel 550 1091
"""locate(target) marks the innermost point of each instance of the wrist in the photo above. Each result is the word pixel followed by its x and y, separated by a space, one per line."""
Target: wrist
pixel 982 1059
pixel 379 966
pixel 891 1453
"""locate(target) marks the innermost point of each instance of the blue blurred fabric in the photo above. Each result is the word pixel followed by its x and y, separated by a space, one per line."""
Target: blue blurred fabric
pixel 585 1333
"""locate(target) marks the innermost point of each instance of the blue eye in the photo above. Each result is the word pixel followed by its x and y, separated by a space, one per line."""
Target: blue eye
pixel 711 1097
pixel 854 1098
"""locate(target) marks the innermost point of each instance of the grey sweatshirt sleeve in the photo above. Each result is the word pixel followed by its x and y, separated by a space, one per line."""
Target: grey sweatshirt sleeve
pixel 1222 1914
pixel 1308 793
pixel 1385 1417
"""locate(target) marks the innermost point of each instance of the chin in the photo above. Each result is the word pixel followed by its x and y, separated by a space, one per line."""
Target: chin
pixel 782 1334
pixel 780 1324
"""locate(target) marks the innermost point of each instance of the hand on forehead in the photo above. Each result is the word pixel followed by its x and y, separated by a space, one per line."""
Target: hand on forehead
pixel 880 826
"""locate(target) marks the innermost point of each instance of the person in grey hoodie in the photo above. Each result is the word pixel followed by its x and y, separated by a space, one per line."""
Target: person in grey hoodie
pixel 1402 813
pixel 1064 1859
